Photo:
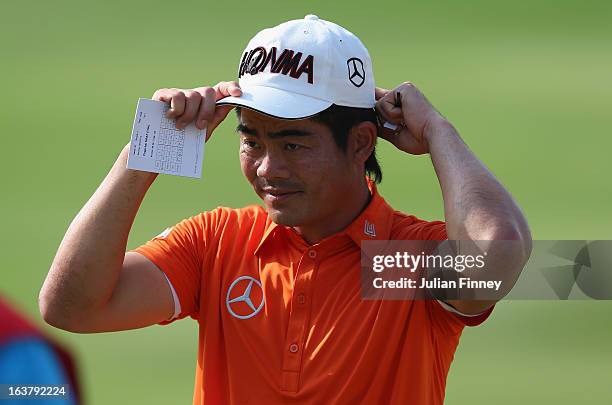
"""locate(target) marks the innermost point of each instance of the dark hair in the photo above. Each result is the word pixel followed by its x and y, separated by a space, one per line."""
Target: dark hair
pixel 340 119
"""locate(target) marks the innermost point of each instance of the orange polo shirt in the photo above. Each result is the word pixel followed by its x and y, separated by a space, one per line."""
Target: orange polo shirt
pixel 281 321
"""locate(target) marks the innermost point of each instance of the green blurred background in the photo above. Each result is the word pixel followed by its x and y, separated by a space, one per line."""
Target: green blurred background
pixel 528 85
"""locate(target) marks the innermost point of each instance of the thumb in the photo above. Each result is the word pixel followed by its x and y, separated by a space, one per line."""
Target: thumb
pixel 225 89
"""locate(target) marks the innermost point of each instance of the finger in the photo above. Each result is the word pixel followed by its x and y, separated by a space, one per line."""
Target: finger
pixel 162 95
pixel 192 105
pixel 387 98
pixel 379 93
pixel 412 143
pixel 207 107
pixel 409 143
pixel 403 140
pixel 389 112
pixel 220 114
pixel 391 134
pixel 388 135
pixel 177 104
pixel 225 89
pixel 166 96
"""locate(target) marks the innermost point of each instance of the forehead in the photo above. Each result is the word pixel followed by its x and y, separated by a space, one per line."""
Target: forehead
pixel 253 120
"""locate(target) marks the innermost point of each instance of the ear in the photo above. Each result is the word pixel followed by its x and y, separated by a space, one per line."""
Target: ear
pixel 361 142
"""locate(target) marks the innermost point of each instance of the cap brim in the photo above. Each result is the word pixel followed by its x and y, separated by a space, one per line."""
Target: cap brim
pixel 277 103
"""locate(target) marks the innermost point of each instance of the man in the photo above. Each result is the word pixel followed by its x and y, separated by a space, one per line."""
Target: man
pixel 276 290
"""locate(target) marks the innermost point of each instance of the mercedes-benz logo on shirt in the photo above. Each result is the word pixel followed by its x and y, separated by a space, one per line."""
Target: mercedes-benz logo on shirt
pixel 356 72
pixel 245 297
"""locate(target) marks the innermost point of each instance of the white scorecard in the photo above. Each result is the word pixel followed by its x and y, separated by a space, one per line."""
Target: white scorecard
pixel 158 146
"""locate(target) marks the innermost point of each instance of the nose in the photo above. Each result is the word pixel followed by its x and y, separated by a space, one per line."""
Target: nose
pixel 272 166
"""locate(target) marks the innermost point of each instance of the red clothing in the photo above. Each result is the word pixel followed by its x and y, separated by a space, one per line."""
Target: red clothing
pixel 14 326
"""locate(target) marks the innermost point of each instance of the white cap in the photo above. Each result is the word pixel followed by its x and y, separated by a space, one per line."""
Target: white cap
pixel 301 67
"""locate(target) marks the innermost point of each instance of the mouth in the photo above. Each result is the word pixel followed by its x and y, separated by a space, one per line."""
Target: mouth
pixel 273 196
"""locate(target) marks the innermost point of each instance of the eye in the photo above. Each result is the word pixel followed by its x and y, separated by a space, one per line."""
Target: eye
pixel 249 144
pixel 293 146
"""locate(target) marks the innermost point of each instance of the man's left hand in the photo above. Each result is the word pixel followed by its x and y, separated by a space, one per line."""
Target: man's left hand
pixel 415 117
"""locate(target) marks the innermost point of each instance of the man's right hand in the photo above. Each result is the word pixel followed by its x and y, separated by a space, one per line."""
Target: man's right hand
pixel 198 104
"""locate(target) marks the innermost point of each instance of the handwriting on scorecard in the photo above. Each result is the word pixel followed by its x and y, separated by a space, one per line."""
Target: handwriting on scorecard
pixel 158 146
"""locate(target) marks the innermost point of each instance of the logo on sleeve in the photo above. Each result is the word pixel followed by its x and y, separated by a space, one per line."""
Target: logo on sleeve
pixel 244 297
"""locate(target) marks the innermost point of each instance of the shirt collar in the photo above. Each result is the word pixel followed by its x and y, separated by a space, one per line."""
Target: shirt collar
pixel 373 223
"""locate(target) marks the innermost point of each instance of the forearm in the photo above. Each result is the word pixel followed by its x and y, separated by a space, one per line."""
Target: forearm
pixel 86 267
pixel 476 205
pixel 478 208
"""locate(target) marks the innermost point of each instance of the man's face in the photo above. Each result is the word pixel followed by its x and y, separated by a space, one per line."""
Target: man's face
pixel 295 167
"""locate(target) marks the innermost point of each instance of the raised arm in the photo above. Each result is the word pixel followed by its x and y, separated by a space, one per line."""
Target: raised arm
pixel 93 285
pixel 476 205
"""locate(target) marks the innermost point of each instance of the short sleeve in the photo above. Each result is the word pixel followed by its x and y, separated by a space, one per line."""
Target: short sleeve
pixel 434 230
pixel 450 321
pixel 179 253
pixel 444 316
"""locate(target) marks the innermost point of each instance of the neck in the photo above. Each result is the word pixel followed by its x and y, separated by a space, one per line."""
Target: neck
pixel 315 233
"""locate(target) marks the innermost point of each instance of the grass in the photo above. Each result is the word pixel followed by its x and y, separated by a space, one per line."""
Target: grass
pixel 527 84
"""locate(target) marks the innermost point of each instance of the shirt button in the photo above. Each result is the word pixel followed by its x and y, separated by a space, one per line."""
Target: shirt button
pixel 293 348
pixel 301 298
pixel 312 254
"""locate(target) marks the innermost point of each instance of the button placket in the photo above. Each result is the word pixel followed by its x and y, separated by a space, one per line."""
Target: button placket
pixel 299 318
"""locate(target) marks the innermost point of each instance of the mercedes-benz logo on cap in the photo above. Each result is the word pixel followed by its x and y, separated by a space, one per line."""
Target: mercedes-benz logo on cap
pixel 356 72
pixel 244 297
